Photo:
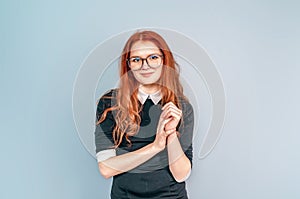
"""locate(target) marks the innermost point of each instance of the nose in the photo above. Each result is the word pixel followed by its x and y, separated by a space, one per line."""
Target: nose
pixel 145 64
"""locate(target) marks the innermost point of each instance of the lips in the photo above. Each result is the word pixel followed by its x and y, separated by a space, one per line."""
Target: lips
pixel 147 74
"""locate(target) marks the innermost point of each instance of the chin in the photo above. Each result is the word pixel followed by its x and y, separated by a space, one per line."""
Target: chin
pixel 149 82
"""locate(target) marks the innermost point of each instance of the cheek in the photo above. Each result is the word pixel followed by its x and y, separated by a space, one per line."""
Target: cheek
pixel 138 77
pixel 159 73
pixel 135 75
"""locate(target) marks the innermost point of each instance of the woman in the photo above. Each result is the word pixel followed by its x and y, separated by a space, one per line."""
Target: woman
pixel 144 128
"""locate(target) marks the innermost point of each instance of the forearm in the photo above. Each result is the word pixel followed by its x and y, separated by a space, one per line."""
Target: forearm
pixel 125 162
pixel 179 164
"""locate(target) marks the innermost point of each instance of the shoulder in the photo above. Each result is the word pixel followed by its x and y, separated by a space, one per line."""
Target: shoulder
pixel 110 93
pixel 108 98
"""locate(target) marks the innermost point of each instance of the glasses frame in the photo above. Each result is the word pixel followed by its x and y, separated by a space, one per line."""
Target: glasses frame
pixel 128 61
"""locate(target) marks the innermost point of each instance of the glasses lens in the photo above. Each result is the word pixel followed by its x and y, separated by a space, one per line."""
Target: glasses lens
pixel 154 60
pixel 135 63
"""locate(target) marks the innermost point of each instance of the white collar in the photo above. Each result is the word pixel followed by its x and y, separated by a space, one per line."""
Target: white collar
pixel 155 97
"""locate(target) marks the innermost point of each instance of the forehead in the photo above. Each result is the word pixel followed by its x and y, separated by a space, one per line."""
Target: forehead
pixel 143 48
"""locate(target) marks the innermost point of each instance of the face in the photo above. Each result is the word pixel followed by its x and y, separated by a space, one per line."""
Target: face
pixel 146 75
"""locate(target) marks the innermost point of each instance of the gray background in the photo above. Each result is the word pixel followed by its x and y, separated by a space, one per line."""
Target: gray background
pixel 254 45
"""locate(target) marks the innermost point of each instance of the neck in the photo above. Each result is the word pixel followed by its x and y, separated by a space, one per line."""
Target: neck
pixel 149 88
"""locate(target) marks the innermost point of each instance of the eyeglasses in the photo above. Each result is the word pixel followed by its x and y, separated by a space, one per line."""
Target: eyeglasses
pixel 153 61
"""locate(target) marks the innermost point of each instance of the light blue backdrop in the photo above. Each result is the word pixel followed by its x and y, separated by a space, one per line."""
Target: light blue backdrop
pixel 254 44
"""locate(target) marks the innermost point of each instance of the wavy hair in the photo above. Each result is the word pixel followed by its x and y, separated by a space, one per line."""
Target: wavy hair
pixel 127 107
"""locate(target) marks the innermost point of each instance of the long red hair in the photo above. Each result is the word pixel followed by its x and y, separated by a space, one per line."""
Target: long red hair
pixel 127 106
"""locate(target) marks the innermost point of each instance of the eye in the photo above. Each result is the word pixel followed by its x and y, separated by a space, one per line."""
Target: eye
pixel 153 57
pixel 135 59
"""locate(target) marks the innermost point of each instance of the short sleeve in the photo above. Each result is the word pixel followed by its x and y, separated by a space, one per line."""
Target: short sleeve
pixel 103 131
pixel 186 129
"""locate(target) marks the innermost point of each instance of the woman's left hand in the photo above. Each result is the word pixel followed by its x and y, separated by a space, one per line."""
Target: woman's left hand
pixel 172 112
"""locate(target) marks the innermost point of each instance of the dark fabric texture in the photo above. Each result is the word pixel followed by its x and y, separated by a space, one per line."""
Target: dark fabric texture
pixel 153 178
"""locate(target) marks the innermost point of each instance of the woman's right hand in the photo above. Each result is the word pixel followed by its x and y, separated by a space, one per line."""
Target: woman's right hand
pixel 162 134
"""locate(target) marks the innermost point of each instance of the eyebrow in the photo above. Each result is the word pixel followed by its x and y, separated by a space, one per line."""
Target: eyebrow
pixel 146 56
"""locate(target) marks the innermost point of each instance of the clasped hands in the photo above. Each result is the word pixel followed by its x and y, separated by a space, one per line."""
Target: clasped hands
pixel 167 124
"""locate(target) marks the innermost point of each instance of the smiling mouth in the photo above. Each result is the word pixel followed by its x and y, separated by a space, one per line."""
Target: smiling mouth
pixel 147 74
